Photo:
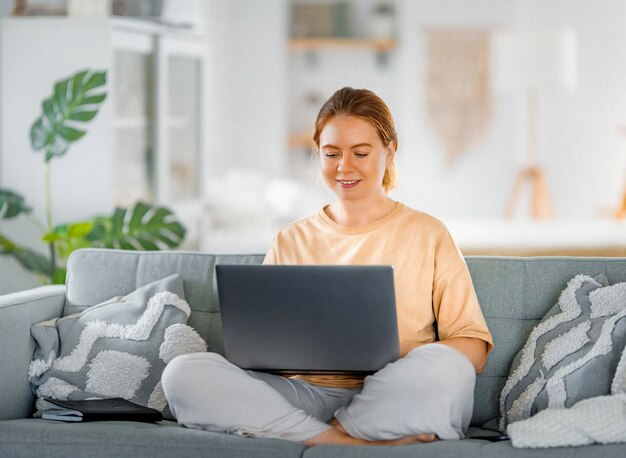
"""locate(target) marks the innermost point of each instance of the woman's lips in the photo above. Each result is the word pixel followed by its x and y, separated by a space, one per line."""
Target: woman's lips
pixel 348 183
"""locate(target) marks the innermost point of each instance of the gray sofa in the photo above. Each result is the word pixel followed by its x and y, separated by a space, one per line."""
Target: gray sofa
pixel 514 294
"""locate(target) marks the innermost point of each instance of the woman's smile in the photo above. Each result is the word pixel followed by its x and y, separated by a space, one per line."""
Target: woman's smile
pixel 347 184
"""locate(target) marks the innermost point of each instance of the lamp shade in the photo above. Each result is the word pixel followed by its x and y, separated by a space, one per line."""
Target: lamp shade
pixel 533 59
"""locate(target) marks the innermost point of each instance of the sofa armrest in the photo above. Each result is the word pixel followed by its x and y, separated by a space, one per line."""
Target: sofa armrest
pixel 18 311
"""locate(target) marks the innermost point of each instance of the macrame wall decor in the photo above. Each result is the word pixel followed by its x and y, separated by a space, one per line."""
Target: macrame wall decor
pixel 458 89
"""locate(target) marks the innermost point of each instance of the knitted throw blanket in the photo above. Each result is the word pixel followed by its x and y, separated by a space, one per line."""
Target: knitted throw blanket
pixel 600 419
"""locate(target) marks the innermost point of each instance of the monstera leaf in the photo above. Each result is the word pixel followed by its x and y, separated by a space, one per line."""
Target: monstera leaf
pixel 143 228
pixel 70 237
pixel 75 100
pixel 29 259
pixel 11 204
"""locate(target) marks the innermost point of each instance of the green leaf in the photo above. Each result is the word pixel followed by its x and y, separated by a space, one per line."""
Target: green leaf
pixel 69 237
pixel 12 204
pixel 169 241
pixel 77 81
pixel 139 212
pixel 95 80
pixel 49 112
pixel 128 230
pixel 92 100
pixel 60 94
pixel 117 221
pixel 59 275
pixel 82 115
pixel 56 129
pixel 29 259
pixel 6 245
pixel 70 134
pixel 158 217
pixel 176 228
pixel 59 147
pixel 38 134
pixel 98 233
pixel 125 244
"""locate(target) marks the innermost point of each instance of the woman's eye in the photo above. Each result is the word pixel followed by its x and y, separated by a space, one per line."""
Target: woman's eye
pixel 361 154
pixel 331 155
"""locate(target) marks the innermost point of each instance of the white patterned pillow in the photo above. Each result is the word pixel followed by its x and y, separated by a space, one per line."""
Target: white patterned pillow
pixel 118 348
pixel 572 354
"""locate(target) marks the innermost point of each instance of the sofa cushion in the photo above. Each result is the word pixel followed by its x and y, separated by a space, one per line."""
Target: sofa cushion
pixel 46 438
pixel 55 439
pixel 118 348
pixel 571 354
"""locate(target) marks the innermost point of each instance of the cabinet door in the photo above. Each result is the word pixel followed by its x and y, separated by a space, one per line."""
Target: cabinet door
pixel 134 152
pixel 179 140
pixel 180 116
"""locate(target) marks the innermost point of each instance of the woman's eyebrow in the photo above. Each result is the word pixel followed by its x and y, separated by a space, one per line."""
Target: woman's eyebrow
pixel 358 145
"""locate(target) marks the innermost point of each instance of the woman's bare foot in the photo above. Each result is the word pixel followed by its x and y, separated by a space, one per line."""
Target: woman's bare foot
pixel 338 435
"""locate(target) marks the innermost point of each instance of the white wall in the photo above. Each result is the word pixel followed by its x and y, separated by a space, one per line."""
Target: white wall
pixel 469 188
pixel 247 40
pixel 581 132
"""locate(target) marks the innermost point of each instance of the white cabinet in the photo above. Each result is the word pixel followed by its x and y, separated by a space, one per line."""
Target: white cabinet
pixel 145 144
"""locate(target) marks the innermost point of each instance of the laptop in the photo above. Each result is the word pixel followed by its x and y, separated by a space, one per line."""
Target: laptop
pixel 310 319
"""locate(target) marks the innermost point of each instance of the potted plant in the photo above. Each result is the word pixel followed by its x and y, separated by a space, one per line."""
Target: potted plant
pixel 74 103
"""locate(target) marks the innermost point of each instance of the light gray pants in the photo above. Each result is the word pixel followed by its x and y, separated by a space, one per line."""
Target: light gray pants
pixel 430 390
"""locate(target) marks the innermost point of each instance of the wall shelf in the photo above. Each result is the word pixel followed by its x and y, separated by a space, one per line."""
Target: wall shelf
pixel 312 44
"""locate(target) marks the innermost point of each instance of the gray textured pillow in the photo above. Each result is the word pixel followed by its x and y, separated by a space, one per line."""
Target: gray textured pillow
pixel 572 354
pixel 118 348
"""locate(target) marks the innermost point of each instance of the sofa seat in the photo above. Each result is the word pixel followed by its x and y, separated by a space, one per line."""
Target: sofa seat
pixel 46 438
pixel 30 437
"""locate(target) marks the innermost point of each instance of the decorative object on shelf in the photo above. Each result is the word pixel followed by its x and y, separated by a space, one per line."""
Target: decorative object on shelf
pixel 529 62
pixel 75 101
pixel 39 8
pixel 92 8
pixel 20 8
pixel 327 25
pixel 137 8
pixel 313 20
pixel 381 21
pixel 459 105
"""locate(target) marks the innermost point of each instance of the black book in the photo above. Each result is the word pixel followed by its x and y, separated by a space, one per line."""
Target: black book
pixel 100 410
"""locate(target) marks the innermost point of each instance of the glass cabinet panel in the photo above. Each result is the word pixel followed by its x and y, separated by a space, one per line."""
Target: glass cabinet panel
pixel 133 152
pixel 183 127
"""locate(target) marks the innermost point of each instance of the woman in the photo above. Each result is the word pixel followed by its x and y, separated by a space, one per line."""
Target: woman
pixel 425 395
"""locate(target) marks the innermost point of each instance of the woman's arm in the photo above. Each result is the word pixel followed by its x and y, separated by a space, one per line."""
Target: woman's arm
pixel 474 349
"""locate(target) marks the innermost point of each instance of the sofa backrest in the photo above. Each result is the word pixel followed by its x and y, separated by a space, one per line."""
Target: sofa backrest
pixel 514 294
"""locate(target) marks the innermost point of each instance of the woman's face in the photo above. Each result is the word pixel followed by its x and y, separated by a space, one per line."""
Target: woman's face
pixel 353 158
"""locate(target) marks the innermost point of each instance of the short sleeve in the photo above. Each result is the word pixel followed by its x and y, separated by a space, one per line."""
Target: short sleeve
pixel 455 304
pixel 271 257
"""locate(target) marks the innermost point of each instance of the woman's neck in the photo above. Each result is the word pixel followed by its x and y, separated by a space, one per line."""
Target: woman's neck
pixel 359 213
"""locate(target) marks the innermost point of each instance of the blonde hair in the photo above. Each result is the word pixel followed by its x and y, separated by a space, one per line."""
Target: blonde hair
pixel 364 104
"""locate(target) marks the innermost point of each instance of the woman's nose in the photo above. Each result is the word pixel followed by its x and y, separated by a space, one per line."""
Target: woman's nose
pixel 345 165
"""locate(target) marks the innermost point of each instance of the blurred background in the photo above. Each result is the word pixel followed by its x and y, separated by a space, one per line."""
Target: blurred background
pixel 511 115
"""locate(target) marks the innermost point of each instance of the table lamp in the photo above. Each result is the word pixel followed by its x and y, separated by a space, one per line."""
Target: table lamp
pixel 531 62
